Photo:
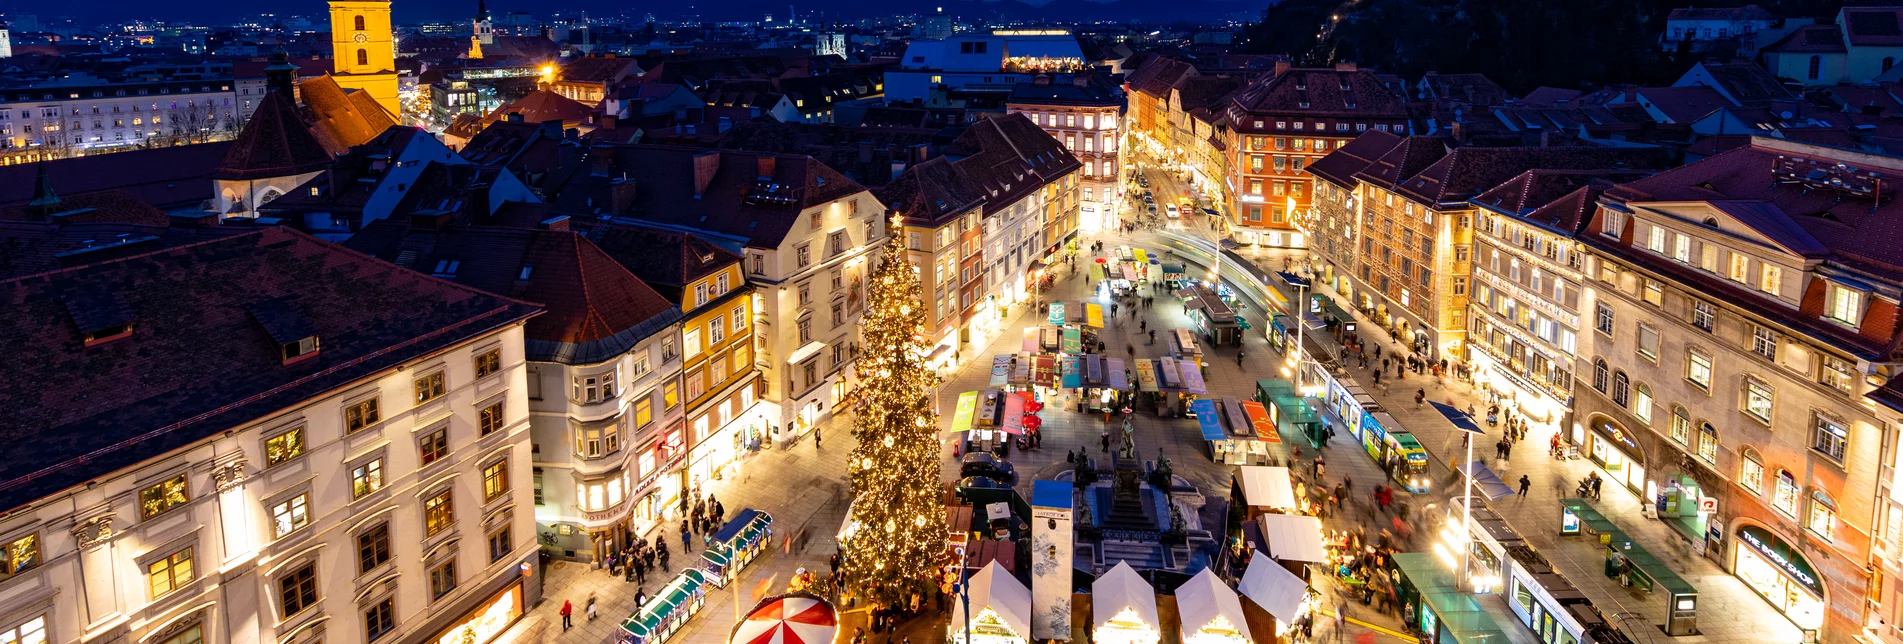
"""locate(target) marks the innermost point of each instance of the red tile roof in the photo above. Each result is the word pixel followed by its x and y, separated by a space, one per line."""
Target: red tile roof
pixel 1684 104
pixel 1318 92
pixel 1407 157
pixel 998 160
pixel 1467 171
pixel 596 309
pixel 166 176
pixel 605 70
pixel 275 142
pixel 129 400
pixel 666 259
pixel 339 120
pixel 1872 26
pixel 1820 39
pixel 1535 189
pixel 736 201
pixel 1340 166
pixel 542 105
pixel 1158 76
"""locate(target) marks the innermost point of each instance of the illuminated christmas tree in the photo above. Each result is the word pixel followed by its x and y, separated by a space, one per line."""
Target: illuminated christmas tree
pixel 900 543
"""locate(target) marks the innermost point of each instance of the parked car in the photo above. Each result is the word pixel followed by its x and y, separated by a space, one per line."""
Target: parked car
pixel 985 465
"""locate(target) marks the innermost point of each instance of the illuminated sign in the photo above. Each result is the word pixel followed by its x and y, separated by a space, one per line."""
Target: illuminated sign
pixel 1780 554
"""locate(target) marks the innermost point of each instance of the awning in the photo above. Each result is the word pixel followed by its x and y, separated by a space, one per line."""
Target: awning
pixel 1293 537
pixel 967 410
pixel 1146 374
pixel 997 590
pixel 1000 370
pixel 1486 481
pixel 1272 587
pixel 1057 314
pixel 1130 272
pixel 1093 314
pixel 1119 378
pixel 1267 487
pixel 1192 378
pixel 1459 418
pixel 1260 420
pixel 1205 602
pixel 1119 590
pixel 1072 342
pixel 1142 256
pixel 1096 272
pixel 1033 340
pixel 1206 419
pixel 1014 414
pixel 1044 371
pixel 801 354
pixel 1071 370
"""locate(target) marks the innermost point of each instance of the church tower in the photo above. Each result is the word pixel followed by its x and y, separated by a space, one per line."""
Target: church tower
pixel 485 33
pixel 363 50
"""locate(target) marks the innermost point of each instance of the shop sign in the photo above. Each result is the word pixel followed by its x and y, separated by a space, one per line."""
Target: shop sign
pixel 1782 555
pixel 489 621
pixel 1619 435
pixel 1708 504
pixel 1568 522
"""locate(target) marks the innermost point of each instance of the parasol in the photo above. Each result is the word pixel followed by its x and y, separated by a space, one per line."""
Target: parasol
pixel 1033 407
pixel 793 618
pixel 1033 422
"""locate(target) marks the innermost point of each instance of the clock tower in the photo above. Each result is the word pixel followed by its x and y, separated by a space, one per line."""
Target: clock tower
pixel 363 50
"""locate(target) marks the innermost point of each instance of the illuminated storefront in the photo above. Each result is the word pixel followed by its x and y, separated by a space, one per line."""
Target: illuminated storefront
pixel 487 621
pixel 1614 449
pixel 1781 575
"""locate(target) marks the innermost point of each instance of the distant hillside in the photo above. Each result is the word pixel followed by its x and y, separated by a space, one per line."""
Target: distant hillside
pixel 1520 44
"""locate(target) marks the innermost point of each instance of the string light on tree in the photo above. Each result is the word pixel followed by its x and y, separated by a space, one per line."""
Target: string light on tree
pixel 894 468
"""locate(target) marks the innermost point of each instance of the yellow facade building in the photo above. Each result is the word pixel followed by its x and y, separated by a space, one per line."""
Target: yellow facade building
pixel 364 51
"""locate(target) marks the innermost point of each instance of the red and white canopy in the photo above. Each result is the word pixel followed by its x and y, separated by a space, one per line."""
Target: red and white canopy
pixel 796 618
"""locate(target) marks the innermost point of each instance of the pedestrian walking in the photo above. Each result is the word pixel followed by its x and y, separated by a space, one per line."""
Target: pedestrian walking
pixel 1238 357
pixel 815 437
pixel 567 612
pixel 1525 484
pixel 592 613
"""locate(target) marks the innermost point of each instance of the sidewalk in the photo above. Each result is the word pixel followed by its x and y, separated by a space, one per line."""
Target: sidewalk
pixel 1728 611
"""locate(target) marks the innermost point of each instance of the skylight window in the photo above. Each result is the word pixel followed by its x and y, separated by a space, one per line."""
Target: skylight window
pixel 447 267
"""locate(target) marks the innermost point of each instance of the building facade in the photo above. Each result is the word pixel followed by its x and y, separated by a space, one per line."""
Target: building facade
pixel 1741 310
pixel 1280 124
pixel 1087 117
pixel 363 50
pixel 360 477
pixel 53 122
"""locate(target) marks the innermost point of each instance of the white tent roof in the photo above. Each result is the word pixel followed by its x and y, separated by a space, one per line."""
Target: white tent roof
pixel 1267 486
pixel 1204 599
pixel 997 590
pixel 1272 587
pixel 1293 537
pixel 1122 589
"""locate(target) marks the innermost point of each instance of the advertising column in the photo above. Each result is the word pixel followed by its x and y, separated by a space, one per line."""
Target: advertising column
pixel 1050 560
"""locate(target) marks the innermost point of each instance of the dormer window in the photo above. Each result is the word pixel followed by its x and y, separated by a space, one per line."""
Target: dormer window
pixel 101 318
pixel 527 270
pixel 299 348
pixel 288 327
pixel 446 268
pixel 1845 304
pixel 107 334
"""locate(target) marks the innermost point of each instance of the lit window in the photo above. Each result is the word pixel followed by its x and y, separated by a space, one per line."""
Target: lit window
pixel 1770 279
pixel 429 387
pixel 1829 437
pixel 1785 498
pixel 162 497
pixel 1846 305
pixel 1764 342
pixel 495 480
pixel 1708 443
pixel 366 477
pixel 1751 472
pixel 1681 426
pixel 489 420
pixel 438 513
pixel 21 554
pixel 283 447
pixel 170 572
pixel 1823 516
pixel 1642 403
pixel 1757 399
pixel 290 514
pixel 488 362
pixel 1698 369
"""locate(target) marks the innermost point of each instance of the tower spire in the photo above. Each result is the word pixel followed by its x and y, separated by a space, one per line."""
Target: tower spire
pixel 280 76
pixel 45 201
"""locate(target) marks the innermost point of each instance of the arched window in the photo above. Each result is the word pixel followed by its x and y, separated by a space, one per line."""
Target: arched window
pixel 359 22
pixel 1681 426
pixel 1751 470
pixel 1823 515
pixel 1599 374
pixel 1708 443
pixel 1620 388
pixel 363 57
pixel 1816 65
pixel 1785 498
pixel 1642 404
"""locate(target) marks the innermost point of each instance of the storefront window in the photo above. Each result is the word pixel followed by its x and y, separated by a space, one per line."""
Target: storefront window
pixel 1785 500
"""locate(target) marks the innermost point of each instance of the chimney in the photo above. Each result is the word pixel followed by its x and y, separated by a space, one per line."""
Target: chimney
pixel 1282 67
pixel 608 121
pixel 705 164
pixel 600 160
pixel 1546 138
pixel 898 168
pixel 621 195
pixel 767 166
pixel 558 224
pixel 1344 67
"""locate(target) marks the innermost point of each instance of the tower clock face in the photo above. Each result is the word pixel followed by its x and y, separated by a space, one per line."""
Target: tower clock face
pixel 360 38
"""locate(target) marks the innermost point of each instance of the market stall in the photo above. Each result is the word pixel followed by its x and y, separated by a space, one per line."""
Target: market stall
pixel 1293 538
pixel 1266 489
pixel 1000 608
pixel 1287 411
pixel 1123 608
pixel 1277 591
pixel 1183 347
pixel 1211 611
pixel 792 618
pixel 1103 383
pixel 1234 436
pixel 667 610
pixel 1215 318
pixel 735 545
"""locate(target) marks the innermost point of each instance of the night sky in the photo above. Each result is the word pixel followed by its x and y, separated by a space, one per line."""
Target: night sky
pixel 229 11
